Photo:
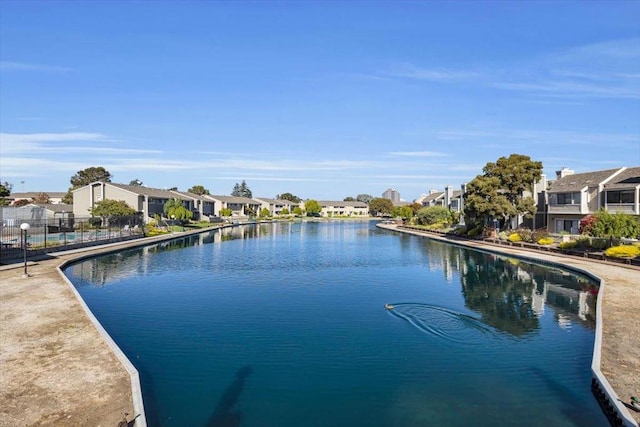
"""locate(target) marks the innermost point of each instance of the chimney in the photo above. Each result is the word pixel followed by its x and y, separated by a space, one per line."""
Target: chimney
pixel 564 172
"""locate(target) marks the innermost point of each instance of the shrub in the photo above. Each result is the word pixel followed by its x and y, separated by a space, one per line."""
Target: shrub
pixel 545 241
pixel 503 235
pixel 525 235
pixel 624 251
pixel 586 225
pixel 599 243
pixel 568 245
pixel 514 237
pixel 473 232
pixel 540 233
pixel 583 242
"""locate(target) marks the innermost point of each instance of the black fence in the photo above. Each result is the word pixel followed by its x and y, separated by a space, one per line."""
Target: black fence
pixel 47 235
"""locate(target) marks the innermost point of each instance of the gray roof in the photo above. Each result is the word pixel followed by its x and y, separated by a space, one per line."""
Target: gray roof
pixel 235 199
pixel 190 195
pixel 275 201
pixel 325 203
pixel 433 196
pixel 32 194
pixel 146 191
pixel 578 181
pixel 628 179
pixel 58 208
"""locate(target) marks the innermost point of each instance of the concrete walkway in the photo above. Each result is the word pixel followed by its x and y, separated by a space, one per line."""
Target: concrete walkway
pixel 57 370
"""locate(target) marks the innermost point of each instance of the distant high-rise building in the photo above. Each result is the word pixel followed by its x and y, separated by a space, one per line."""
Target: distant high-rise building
pixel 391 194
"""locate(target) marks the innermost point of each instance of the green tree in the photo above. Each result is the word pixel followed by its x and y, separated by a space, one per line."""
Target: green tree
pixel 86 177
pixel 198 189
pixel 174 208
pixel 349 199
pixel 297 211
pixel 312 207
pixel 5 191
pixel 404 212
pixel 499 192
pixel 264 213
pixel 241 190
pixel 109 208
pixel 434 214
pixel 380 206
pixel 136 183
pixel 226 212
pixel 290 197
pixel 483 200
pixel 364 198
pixel 284 211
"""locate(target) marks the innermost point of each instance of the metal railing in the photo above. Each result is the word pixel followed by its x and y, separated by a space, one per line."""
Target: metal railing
pixel 43 234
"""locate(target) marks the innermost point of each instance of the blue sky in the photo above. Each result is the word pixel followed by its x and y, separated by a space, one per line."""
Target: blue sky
pixel 321 99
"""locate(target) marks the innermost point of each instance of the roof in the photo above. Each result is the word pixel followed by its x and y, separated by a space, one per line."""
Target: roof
pixel 190 195
pixel 58 208
pixel 234 199
pixel 433 196
pixel 578 181
pixel 32 194
pixel 629 178
pixel 275 201
pixel 325 203
pixel 145 191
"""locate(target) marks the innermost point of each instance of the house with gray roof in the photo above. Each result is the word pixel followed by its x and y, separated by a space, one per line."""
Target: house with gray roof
pixel 573 196
pixel 55 197
pixel 146 200
pixel 275 206
pixel 622 193
pixel 332 208
pixel 240 206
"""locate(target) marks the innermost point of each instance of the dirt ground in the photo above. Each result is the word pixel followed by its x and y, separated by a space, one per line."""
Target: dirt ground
pixel 55 369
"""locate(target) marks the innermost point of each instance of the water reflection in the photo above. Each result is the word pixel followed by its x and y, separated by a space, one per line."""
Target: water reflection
pixel 511 295
pixel 225 414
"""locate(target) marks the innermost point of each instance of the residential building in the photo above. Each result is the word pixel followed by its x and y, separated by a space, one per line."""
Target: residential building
pixel 622 192
pixel 391 194
pixel 341 208
pixel 55 198
pixel 275 206
pixel 573 196
pixel 240 206
pixel 148 201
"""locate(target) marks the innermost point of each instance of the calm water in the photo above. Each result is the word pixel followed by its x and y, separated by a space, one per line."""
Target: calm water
pixel 285 325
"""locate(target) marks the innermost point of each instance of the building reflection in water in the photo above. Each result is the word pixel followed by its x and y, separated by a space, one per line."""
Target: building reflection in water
pixel 509 294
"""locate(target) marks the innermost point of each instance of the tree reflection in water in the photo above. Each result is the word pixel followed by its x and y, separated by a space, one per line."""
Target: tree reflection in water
pixel 511 294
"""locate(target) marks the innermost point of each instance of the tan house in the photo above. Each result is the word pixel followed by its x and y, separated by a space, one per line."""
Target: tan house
pixel 575 195
pixel 338 208
pixel 275 206
pixel 240 206
pixel 55 198
pixel 148 201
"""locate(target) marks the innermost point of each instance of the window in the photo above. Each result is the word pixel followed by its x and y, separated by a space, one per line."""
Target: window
pixel 566 199
pixel 626 196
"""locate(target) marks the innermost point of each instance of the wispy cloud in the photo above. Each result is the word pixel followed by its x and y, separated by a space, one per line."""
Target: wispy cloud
pixel 411 71
pixel 417 154
pixel 24 66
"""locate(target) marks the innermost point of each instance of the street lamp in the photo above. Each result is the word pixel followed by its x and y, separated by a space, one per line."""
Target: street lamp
pixel 24 228
pixel 173 223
